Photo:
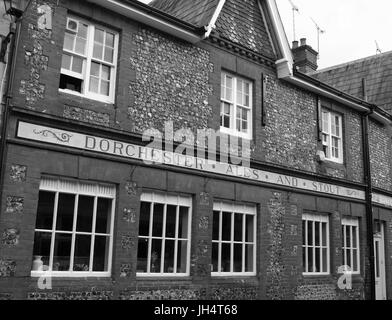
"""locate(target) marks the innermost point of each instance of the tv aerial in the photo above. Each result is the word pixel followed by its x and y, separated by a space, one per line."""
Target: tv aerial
pixel 320 31
pixel 295 9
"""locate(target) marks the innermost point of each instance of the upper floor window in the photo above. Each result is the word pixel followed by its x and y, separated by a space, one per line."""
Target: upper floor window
pixel 89 60
pixel 74 229
pixel 234 240
pixel 315 244
pixel 350 245
pixel 164 235
pixel 236 106
pixel 332 127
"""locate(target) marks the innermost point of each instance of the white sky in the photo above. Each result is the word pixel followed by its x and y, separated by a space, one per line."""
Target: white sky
pixel 352 27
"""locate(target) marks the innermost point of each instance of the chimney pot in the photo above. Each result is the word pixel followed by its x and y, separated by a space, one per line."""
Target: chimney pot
pixel 295 44
pixel 303 42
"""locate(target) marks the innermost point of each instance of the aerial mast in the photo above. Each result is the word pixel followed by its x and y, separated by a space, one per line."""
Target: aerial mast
pixel 295 9
pixel 319 32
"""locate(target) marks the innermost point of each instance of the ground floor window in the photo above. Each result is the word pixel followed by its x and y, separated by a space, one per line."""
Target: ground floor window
pixel 350 244
pixel 315 244
pixel 74 228
pixel 234 239
pixel 164 235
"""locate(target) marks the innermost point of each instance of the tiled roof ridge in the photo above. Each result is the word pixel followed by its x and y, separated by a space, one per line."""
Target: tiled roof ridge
pixel 346 64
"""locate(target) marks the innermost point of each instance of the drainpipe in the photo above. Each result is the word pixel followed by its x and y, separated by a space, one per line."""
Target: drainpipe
pixel 368 195
pixel 15 29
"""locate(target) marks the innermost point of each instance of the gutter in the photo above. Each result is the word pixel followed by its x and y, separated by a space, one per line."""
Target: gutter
pixel 155 18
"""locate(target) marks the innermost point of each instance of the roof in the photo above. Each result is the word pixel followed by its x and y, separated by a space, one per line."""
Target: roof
pixel 196 12
pixel 240 21
pixel 347 77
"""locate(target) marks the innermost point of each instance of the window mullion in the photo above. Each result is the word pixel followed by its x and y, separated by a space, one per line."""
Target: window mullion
pixel 232 243
pixel 352 249
pixel 321 246
pixel 163 239
pixel 90 48
pixel 74 232
pixel 176 238
pixel 243 242
pixel 150 236
pixel 56 202
pixel 93 234
pixel 314 245
pixel 306 247
pixel 220 242
pixel 345 245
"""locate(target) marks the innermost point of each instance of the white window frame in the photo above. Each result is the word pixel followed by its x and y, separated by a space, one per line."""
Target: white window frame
pixel 178 201
pixel 351 223
pixel 241 209
pixel 328 133
pixel 233 108
pixel 87 65
pixel 321 219
pixel 96 190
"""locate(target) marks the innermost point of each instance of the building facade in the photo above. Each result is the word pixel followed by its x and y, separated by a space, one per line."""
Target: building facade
pixel 90 210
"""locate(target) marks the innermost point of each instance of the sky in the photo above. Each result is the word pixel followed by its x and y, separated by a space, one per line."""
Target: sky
pixel 352 27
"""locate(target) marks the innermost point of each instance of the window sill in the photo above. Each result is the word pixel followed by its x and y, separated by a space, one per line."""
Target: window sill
pixel 232 275
pixel 83 96
pixel 38 274
pixel 235 134
pixel 144 277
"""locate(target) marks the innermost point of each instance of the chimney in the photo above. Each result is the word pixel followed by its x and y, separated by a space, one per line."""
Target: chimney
pixel 305 57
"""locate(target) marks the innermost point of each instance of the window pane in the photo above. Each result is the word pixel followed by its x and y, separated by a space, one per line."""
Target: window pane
pixel 169 256
pixel 105 86
pixel 183 223
pixel 66 62
pixel 238 258
pixel 238 221
pixel 101 253
pixel 226 226
pixel 104 214
pixel 310 260
pixel 95 67
pixel 225 267
pixel 310 233
pixel 249 256
pixel 355 260
pixel 69 41
pixel 304 232
pixel 142 253
pixel 94 84
pixel 109 39
pixel 349 262
pixel 182 256
pixel 82 253
pixel 65 212
pixel 105 73
pixel 42 242
pixel 144 222
pixel 317 233
pixel 215 226
pixel 97 52
pixel 215 252
pixel 80 46
pixel 156 251
pixel 62 252
pixel 98 35
pixel 249 237
pixel 82 32
pixel 45 210
pixel 355 244
pixel 77 65
pixel 324 235
pixel 157 220
pixel 109 52
pixel 318 260
pixel 171 221
pixel 85 214
pixel 348 237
